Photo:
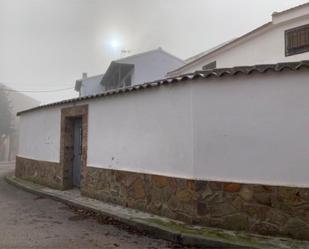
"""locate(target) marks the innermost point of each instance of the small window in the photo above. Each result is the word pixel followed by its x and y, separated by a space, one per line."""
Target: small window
pixel 211 65
pixel 297 40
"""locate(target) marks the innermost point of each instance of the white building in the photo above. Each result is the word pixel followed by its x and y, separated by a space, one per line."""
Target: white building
pixel 228 145
pixel 89 85
pixel 128 71
pixel 284 39
pixel 223 148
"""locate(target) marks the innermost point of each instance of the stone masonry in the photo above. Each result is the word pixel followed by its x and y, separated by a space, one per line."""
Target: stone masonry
pixel 66 144
pixel 269 210
pixel 41 172
pixel 59 175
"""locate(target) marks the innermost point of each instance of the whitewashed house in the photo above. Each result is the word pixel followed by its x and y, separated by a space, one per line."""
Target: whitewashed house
pixel 89 85
pixel 284 39
pixel 226 147
pixel 128 71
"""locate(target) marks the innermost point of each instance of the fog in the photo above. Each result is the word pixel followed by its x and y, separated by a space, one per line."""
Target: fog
pixel 47 44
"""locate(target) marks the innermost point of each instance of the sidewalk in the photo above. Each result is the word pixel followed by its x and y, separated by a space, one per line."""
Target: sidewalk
pixel 163 227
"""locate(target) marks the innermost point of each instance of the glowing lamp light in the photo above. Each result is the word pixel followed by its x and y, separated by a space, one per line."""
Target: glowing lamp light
pixel 115 44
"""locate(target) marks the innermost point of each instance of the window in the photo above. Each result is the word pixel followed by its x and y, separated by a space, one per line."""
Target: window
pixel 211 65
pixel 297 40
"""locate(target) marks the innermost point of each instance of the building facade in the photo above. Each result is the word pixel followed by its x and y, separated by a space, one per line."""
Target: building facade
pixel 284 39
pixel 89 85
pixel 128 71
pixel 223 148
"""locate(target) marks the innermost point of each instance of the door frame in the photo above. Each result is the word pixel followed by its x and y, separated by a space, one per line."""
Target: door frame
pixel 68 115
pixel 77 150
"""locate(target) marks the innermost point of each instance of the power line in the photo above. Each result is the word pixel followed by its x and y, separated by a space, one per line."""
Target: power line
pixel 35 91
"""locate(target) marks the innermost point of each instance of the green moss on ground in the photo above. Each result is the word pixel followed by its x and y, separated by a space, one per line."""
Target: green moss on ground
pixel 210 234
pixel 230 237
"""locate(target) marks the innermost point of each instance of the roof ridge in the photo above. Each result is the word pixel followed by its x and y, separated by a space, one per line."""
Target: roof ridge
pixel 290 9
pixel 224 45
pixel 159 49
pixel 218 72
pixel 172 55
pixel 205 52
pixel 138 54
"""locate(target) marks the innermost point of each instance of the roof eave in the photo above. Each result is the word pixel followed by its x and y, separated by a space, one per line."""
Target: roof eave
pixel 218 73
pixel 226 46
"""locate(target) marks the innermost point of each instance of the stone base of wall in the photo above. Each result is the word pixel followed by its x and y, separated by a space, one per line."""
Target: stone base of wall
pixel 41 172
pixel 269 210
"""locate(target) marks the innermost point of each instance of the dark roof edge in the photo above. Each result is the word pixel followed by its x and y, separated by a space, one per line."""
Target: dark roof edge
pixel 110 70
pixel 214 73
pixel 78 85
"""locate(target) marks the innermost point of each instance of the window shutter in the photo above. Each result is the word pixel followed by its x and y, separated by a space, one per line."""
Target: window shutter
pixel 297 40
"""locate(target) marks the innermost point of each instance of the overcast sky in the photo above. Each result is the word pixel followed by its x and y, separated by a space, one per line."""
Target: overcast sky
pixel 47 44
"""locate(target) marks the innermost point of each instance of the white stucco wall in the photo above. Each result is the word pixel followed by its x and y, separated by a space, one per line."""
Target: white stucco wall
pixel 143 132
pixel 39 136
pixel 148 66
pixel 252 129
pixel 263 48
pixel 152 65
pixel 91 85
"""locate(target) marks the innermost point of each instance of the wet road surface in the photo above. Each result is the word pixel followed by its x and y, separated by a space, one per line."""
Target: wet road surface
pixel 28 221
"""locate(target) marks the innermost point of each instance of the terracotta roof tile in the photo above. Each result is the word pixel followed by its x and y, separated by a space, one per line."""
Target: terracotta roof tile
pixel 213 73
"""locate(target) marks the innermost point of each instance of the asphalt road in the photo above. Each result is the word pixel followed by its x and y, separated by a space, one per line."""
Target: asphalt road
pixel 27 221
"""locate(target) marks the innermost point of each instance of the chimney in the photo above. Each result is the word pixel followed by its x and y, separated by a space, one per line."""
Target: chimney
pixel 84 76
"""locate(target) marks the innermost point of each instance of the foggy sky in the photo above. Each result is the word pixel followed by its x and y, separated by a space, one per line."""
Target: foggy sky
pixel 47 44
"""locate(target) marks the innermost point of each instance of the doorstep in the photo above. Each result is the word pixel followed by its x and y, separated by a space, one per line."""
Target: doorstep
pixel 162 227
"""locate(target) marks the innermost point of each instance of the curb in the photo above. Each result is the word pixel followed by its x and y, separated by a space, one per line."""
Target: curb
pixel 160 227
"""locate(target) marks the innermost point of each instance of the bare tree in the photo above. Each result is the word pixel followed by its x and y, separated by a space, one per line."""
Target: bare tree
pixel 6 127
